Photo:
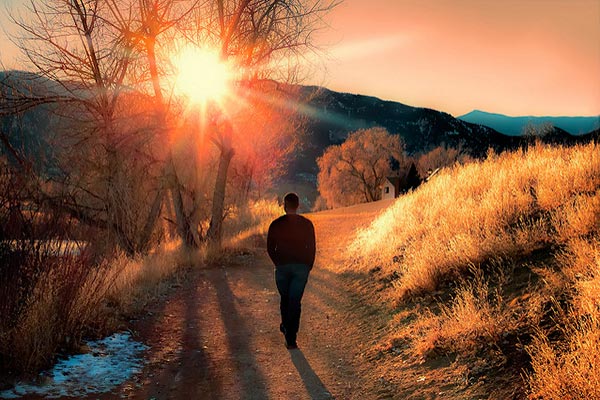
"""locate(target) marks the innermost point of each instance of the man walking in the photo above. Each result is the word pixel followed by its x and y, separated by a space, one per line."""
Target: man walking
pixel 291 246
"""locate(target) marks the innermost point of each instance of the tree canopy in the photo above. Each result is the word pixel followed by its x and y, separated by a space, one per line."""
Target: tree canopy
pixel 114 63
pixel 354 171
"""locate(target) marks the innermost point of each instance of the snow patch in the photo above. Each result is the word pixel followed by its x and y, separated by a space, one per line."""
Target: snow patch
pixel 110 362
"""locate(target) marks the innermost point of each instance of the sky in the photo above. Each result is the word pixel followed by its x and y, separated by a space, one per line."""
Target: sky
pixel 514 57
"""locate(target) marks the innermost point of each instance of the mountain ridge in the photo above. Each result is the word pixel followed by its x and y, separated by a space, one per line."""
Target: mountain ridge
pixel 336 114
pixel 331 116
pixel 514 125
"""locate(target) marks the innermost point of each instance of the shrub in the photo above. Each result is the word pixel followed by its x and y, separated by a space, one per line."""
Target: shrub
pixel 52 302
pixel 48 303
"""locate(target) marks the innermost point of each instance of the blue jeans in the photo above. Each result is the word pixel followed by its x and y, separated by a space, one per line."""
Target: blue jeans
pixel 291 280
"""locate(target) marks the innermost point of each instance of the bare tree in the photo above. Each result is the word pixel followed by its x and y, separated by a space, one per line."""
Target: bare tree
pixel 152 28
pixel 82 61
pixel 267 39
pixel 95 51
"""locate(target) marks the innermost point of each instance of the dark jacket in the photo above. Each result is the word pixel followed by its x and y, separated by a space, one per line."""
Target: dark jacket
pixel 291 240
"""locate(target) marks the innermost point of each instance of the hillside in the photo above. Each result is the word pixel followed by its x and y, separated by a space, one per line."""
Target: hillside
pixel 514 125
pixel 496 298
pixel 331 116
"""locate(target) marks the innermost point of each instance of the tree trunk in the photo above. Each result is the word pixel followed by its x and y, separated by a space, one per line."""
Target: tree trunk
pixel 115 204
pixel 184 228
pixel 215 230
pixel 155 210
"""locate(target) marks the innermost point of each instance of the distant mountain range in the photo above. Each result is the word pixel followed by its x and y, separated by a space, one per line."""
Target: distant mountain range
pixel 28 132
pixel 514 125
pixel 331 116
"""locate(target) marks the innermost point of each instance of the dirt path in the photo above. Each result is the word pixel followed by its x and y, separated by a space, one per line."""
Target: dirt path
pixel 217 337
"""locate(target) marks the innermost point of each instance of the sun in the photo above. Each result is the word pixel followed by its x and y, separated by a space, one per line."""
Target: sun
pixel 202 76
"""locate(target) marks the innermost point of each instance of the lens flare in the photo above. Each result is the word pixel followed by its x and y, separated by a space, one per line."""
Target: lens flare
pixel 202 75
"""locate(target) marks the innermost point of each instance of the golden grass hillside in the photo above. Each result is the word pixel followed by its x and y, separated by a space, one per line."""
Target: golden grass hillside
pixel 505 207
pixel 497 264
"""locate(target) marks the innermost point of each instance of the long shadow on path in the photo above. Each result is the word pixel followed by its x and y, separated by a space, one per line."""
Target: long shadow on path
pixel 253 383
pixel 197 374
pixel 324 319
pixel 184 369
pixel 314 386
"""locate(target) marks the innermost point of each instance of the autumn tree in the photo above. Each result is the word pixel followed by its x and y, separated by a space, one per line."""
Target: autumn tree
pixel 354 171
pixel 439 157
pixel 268 40
pixel 264 39
pixel 151 31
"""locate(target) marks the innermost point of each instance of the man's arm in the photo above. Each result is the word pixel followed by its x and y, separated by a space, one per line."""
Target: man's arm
pixel 272 243
pixel 312 245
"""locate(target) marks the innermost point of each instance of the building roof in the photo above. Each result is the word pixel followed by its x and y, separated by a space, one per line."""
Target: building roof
pixel 394 180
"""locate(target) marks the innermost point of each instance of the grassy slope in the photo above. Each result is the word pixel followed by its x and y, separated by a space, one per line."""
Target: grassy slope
pixel 492 271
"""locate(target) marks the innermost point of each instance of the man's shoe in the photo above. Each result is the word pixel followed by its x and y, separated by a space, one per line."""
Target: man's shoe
pixel 290 342
pixel 291 345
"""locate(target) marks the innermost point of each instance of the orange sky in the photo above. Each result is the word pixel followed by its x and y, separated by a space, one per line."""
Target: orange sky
pixel 517 57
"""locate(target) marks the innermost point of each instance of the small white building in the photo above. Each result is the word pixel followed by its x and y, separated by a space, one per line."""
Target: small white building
pixel 394 186
pixel 390 188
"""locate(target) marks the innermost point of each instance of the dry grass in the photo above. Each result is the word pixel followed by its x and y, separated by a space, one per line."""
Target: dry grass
pixel 247 227
pixel 469 319
pixel 47 315
pixel 469 215
pixel 569 368
pixel 581 261
pixel 538 210
pixel 70 299
pixel 132 283
pixel 473 318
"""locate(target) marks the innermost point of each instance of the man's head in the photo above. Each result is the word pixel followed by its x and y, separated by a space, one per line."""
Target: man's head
pixel 291 203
